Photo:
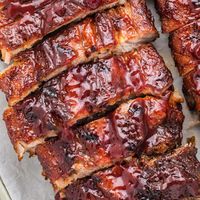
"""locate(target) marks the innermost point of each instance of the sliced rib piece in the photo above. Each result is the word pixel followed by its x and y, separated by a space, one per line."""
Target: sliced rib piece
pixel 84 92
pixel 31 28
pixel 116 30
pixel 13 11
pixel 176 13
pixel 191 89
pixel 170 177
pixel 185 44
pixel 149 125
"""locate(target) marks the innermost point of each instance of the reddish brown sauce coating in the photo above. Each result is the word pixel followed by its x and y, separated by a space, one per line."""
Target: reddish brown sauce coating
pixel 43 17
pixel 94 37
pixel 90 89
pixel 121 134
pixel 171 177
pixel 13 11
pixel 177 13
pixel 185 44
pixel 191 88
pixel 16 9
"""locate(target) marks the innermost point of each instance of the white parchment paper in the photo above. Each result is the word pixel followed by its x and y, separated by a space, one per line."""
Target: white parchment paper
pixel 23 179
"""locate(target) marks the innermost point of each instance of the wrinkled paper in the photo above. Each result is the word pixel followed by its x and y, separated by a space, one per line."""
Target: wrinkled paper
pixel 23 180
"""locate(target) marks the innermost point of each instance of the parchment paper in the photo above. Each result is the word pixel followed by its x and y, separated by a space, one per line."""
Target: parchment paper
pixel 23 180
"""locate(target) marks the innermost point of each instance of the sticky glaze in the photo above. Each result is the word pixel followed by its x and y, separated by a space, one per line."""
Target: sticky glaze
pixel 170 177
pixel 16 9
pixel 121 134
pixel 89 89
pixel 95 37
pixel 43 17
pixel 185 44
pixel 177 13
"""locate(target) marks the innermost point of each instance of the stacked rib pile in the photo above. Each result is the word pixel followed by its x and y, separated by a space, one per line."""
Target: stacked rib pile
pixel 94 101
pixel 182 20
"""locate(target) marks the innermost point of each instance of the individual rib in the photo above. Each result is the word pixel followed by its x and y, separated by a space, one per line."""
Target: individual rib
pixel 185 44
pixel 85 92
pixel 170 177
pixel 177 13
pixel 32 27
pixel 149 125
pixel 112 31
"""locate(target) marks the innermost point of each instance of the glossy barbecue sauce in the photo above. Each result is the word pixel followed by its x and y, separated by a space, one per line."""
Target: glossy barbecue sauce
pixel 170 178
pixel 16 8
pixel 120 135
pixel 93 88
pixel 114 137
pixel 194 48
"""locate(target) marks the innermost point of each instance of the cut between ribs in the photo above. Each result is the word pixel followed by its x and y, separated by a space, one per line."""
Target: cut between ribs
pixel 84 92
pixel 149 125
pixel 185 44
pixel 112 31
pixel 177 13
pixel 170 177
pixel 32 27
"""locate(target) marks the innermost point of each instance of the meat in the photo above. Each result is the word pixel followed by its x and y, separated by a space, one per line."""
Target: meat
pixel 170 177
pixel 182 20
pixel 85 92
pixel 112 31
pixel 185 44
pixel 149 125
pixel 177 13
pixel 191 89
pixel 13 11
pixel 6 3
pixel 33 26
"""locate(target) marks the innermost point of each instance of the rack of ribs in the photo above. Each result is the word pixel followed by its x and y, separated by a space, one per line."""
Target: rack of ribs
pixel 173 176
pixel 113 31
pixel 149 125
pixel 43 19
pixel 177 13
pixel 185 44
pixel 85 92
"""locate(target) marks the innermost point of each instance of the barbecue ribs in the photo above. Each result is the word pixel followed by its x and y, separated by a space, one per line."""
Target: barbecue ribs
pixel 115 30
pixel 149 125
pixel 84 92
